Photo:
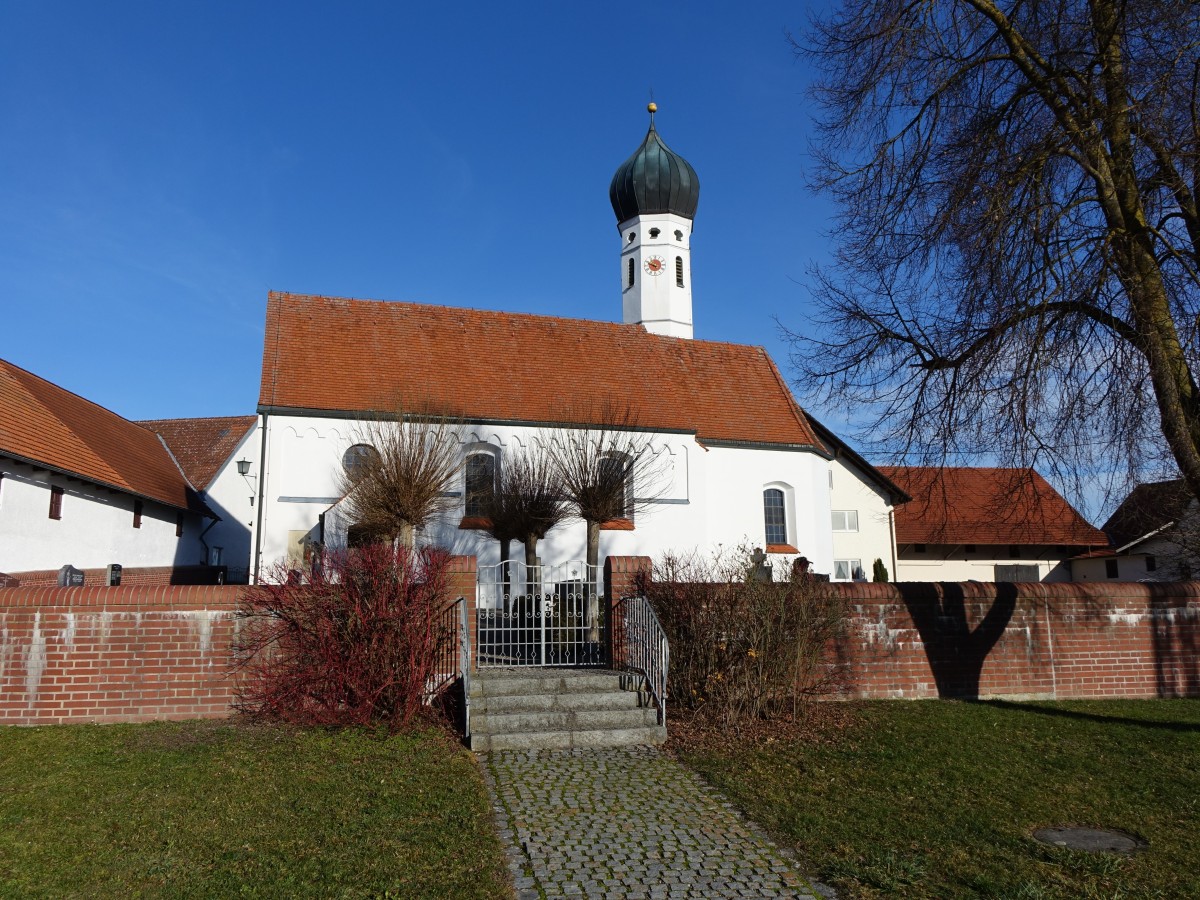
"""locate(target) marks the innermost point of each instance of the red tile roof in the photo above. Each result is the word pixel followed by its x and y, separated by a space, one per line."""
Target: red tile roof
pixel 45 424
pixel 1149 507
pixel 202 446
pixel 959 505
pixel 330 354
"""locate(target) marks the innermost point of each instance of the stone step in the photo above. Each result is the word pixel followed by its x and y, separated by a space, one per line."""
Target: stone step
pixel 505 703
pixel 500 682
pixel 558 740
pixel 563 720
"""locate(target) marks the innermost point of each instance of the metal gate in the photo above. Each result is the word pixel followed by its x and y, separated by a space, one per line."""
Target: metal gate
pixel 540 616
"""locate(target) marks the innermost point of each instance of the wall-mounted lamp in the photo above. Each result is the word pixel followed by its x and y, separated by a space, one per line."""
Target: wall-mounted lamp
pixel 243 467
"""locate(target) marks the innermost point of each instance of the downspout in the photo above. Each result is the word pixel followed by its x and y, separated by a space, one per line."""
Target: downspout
pixel 262 481
pixel 892 535
pixel 203 543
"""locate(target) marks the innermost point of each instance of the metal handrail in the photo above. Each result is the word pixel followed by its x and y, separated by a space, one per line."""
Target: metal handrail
pixel 464 662
pixel 645 649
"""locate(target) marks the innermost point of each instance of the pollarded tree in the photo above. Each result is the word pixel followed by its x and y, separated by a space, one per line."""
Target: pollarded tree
pixel 1018 268
pixel 402 476
pixel 527 502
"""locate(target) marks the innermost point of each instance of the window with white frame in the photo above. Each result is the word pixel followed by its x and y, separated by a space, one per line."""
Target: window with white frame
pixel 480 483
pixel 614 468
pixel 845 520
pixel 848 570
pixel 775 516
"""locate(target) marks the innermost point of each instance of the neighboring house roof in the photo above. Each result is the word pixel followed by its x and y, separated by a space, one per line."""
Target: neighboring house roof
pixel 325 354
pixel 966 505
pixel 836 447
pixel 43 424
pixel 202 446
pixel 1149 509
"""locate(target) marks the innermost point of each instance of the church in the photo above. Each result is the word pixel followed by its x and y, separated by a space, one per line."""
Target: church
pixel 737 463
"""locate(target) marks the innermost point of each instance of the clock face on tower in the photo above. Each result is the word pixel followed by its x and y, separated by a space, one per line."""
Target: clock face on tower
pixel 654 265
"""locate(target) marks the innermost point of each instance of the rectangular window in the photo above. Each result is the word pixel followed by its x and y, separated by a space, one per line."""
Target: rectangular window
pixel 56 495
pixel 845 520
pixel 178 524
pixel 1151 563
pixel 1017 573
pixel 775 517
pixel 1110 569
pixel 137 513
pixel 847 570
pixel 481 483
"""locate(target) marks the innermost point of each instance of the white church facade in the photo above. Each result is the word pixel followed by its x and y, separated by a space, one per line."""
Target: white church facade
pixel 736 463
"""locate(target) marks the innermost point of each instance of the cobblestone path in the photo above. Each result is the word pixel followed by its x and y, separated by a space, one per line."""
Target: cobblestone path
pixel 627 823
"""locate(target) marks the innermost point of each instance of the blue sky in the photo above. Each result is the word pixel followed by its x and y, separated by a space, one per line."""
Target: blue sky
pixel 166 164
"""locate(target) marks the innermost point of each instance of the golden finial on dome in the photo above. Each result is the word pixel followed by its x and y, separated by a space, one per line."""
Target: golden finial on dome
pixel 652 107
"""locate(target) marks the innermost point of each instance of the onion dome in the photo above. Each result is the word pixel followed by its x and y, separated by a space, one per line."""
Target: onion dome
pixel 654 180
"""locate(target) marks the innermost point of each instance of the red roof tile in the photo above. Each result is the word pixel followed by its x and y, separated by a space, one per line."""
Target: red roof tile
pixel 960 505
pixel 46 424
pixel 202 446
pixel 330 354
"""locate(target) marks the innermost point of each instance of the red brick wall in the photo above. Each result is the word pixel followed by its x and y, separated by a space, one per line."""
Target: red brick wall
pixel 1022 641
pixel 132 653
pixel 123 654
pixel 1028 640
pixel 138 577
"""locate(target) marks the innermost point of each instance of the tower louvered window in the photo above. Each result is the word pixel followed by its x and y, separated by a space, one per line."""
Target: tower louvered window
pixel 632 271
pixel 679 271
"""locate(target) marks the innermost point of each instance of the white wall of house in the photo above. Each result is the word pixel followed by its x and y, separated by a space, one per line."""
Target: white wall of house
pixel 861 522
pixel 94 530
pixel 1156 559
pixel 232 497
pixel 702 497
pixel 960 562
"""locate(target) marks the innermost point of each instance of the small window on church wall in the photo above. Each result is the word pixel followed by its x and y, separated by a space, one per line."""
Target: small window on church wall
pixel 632 235
pixel 678 235
pixel 654 232
pixel 359 459
pixel 773 514
pixel 138 508
pixel 56 495
pixel 679 271
pixel 632 270
pixel 481 483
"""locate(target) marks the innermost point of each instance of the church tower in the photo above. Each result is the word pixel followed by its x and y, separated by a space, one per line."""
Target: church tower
pixel 654 195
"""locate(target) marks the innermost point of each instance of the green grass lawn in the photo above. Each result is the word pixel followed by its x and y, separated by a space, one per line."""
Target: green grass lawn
pixel 939 798
pixel 210 809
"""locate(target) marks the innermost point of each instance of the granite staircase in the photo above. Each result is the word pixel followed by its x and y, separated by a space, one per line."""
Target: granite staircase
pixel 548 708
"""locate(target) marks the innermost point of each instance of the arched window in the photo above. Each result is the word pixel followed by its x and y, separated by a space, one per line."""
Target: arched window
pixel 632 270
pixel 481 483
pixel 679 271
pixel 617 471
pixel 359 459
pixel 775 516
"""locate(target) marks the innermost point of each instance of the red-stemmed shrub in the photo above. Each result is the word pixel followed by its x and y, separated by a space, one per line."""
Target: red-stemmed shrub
pixel 356 644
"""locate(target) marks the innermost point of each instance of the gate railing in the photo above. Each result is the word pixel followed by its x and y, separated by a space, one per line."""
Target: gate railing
pixel 540 615
pixel 643 648
pixel 448 663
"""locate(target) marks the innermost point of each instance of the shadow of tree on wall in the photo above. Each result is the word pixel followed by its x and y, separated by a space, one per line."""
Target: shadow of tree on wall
pixel 956 651
pixel 1175 635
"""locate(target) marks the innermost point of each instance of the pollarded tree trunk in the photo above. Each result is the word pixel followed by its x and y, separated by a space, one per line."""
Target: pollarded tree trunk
pixel 531 565
pixel 591 577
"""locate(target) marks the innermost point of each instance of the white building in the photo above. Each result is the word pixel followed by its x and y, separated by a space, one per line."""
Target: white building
pixel 81 486
pixel 210 451
pixel 986 524
pixel 1154 535
pixel 738 463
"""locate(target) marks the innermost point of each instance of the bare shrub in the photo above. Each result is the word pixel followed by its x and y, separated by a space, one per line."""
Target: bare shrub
pixel 742 648
pixel 407 480
pixel 355 645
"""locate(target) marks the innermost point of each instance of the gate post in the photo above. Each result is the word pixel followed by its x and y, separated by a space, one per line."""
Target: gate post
pixel 621 580
pixel 463 583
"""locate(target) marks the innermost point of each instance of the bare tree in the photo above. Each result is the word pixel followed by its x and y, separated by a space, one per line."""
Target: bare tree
pixel 402 476
pixel 527 502
pixel 609 472
pixel 1019 230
